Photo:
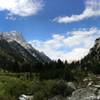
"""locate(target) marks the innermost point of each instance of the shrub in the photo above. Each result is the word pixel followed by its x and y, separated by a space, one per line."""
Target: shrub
pixel 39 96
pixel 7 98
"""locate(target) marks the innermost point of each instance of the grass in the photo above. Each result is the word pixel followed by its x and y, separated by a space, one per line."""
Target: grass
pixel 12 85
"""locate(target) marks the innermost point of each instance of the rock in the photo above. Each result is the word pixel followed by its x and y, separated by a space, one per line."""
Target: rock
pixel 97 86
pixel 89 93
pixel 87 79
pixel 99 92
pixel 25 97
pixel 90 83
pixel 58 97
pixel 72 85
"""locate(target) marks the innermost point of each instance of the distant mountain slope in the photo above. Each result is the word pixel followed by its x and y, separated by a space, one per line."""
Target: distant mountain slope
pixel 12 52
pixel 92 60
pixel 18 44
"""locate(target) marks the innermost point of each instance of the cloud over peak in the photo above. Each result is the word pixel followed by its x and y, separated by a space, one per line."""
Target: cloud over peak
pixel 21 7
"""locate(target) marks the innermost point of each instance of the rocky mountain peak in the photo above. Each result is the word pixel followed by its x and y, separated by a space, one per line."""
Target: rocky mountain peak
pixel 97 43
pixel 15 36
pixel 98 40
pixel 12 36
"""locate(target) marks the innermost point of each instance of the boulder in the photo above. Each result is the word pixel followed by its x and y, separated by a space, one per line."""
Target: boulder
pixel 88 93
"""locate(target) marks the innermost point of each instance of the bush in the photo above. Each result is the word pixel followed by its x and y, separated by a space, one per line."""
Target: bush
pixel 50 88
pixel 61 88
pixel 16 88
pixel 40 96
pixel 7 98
pixel 13 87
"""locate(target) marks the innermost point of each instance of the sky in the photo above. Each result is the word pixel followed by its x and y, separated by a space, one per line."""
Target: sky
pixel 64 29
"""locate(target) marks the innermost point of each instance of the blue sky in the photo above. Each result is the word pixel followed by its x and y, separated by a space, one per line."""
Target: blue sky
pixel 60 27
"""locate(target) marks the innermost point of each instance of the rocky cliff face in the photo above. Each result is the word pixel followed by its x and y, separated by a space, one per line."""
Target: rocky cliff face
pixel 97 43
pixel 94 53
pixel 91 62
pixel 14 38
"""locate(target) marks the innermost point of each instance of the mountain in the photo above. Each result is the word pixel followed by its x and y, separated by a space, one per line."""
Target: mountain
pixel 92 60
pixel 19 44
pixel 16 52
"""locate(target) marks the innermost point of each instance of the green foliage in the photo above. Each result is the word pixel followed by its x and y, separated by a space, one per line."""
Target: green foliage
pixel 7 98
pixel 58 87
pixel 51 88
pixel 39 96
pixel 13 87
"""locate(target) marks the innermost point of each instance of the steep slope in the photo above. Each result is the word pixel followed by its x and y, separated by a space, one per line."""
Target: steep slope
pixel 39 55
pixel 94 53
pixel 11 52
pixel 14 38
pixel 92 60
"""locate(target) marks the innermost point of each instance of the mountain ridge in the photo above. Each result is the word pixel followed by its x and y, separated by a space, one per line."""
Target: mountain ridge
pixel 91 61
pixel 17 36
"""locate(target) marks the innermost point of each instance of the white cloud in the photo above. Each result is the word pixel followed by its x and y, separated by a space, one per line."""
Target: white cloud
pixel 75 54
pixel 92 9
pixel 72 47
pixel 21 7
